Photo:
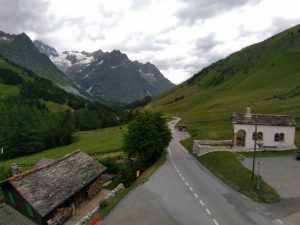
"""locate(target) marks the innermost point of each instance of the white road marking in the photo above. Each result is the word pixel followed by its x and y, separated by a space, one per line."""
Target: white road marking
pixel 183 178
pixel 186 183
pixel 208 212
pixel 175 167
pixel 180 174
pixel 177 171
pixel 215 222
pixel 191 189
pixel 201 202
pixel 196 195
pixel 279 221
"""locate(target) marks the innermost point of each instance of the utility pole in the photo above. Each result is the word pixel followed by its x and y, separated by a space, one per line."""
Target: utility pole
pixel 253 164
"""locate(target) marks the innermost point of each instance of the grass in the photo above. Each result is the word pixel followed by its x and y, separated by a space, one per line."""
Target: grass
pixel 55 107
pixel 269 153
pixel 228 168
pixel 88 141
pixel 8 90
pixel 102 213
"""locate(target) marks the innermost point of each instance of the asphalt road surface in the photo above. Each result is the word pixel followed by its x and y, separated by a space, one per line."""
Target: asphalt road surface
pixel 183 192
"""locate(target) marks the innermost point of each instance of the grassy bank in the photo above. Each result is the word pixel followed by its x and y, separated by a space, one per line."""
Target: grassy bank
pixel 228 168
pixel 88 141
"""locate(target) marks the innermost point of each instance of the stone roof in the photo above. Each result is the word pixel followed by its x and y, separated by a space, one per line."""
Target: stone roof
pixel 44 162
pixel 263 119
pixel 48 186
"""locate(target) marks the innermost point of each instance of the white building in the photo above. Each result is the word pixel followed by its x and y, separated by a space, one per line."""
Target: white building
pixel 276 132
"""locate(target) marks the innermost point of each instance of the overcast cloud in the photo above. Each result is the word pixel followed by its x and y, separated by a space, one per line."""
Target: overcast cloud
pixel 179 36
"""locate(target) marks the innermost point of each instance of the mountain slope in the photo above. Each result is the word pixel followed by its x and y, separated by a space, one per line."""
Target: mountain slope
pixel 36 115
pixel 264 76
pixel 109 76
pixel 21 50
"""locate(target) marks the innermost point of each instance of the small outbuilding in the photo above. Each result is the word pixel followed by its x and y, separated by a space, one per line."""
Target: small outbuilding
pixel 50 193
pixel 276 132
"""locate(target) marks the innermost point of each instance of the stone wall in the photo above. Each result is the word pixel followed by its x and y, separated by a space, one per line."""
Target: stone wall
pixel 94 188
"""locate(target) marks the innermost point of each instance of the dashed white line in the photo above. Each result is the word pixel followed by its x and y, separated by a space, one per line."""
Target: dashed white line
pixel 191 189
pixel 186 183
pixel 215 222
pixel 196 195
pixel 279 221
pixel 201 202
pixel 180 174
pixel 183 178
pixel 208 212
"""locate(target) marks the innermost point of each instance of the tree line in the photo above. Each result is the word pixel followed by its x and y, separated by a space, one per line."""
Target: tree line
pixel 27 126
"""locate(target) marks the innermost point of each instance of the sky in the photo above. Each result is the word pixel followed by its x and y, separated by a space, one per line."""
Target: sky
pixel 180 37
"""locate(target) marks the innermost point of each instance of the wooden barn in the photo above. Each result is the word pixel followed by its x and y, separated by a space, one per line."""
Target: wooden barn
pixel 51 193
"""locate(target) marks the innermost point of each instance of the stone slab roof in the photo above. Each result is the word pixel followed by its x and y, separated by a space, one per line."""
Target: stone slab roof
pixel 48 186
pixel 44 162
pixel 263 119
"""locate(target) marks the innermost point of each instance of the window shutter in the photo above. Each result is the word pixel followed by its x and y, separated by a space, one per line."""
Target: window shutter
pixel 11 199
pixel 29 209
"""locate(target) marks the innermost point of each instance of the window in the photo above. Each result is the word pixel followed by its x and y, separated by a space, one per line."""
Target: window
pixel 281 137
pixel 260 136
pixel 276 137
pixel 29 210
pixel 11 198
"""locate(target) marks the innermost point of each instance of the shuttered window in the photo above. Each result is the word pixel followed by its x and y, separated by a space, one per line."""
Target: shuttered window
pixel 29 210
pixel 11 198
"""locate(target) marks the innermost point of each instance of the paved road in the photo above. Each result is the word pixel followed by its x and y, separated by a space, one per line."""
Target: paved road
pixel 282 173
pixel 183 192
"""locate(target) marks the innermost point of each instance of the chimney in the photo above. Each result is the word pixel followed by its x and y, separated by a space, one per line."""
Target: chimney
pixel 248 112
pixel 15 169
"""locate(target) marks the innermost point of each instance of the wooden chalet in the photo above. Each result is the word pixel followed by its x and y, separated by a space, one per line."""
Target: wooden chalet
pixel 51 193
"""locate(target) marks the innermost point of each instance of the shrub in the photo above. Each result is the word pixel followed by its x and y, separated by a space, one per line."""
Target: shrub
pixel 111 165
pixel 104 203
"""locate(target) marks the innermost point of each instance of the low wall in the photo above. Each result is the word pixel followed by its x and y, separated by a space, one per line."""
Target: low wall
pixel 201 147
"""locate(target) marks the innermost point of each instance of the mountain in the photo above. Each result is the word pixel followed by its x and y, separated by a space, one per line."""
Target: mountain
pixel 36 115
pixel 264 76
pixel 109 76
pixel 20 50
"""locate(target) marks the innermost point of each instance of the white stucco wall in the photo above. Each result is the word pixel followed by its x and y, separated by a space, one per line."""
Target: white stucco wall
pixel 268 135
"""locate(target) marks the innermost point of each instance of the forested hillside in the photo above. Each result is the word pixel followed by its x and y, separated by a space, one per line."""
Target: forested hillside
pixel 36 115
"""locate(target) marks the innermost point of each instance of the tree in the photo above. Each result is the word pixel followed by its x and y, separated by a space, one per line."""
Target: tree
pixel 147 137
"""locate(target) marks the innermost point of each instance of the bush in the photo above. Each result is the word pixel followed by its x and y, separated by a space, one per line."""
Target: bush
pixel 104 203
pixel 111 165
pixel 127 174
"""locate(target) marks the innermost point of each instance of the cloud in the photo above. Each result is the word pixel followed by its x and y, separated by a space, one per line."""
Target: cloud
pixel 203 9
pixel 179 36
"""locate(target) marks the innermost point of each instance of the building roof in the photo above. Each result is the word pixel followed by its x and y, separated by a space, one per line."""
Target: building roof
pixel 263 119
pixel 44 162
pixel 48 186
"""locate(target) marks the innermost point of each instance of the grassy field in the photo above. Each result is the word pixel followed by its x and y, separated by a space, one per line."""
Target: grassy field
pixel 88 141
pixel 228 168
pixel 8 90
pixel 55 107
